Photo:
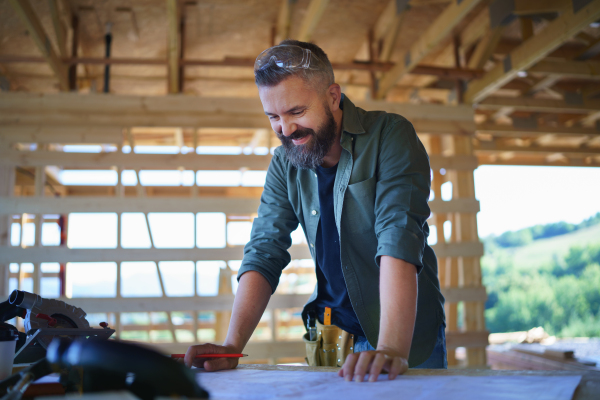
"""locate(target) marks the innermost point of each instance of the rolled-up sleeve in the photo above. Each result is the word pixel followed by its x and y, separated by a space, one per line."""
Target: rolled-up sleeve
pixel 402 192
pixel 267 250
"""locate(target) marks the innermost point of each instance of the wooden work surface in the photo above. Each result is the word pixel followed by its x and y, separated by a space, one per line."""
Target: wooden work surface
pixel 588 389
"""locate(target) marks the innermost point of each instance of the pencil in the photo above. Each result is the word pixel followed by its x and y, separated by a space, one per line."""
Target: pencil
pixel 211 355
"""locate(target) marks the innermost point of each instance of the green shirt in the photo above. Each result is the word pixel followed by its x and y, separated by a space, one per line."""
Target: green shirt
pixel 380 200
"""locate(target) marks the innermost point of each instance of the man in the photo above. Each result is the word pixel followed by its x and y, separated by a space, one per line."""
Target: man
pixel 358 182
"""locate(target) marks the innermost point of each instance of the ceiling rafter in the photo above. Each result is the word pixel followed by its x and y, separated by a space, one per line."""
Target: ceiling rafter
pixel 533 50
pixel 32 22
pixel 315 11
pixel 439 30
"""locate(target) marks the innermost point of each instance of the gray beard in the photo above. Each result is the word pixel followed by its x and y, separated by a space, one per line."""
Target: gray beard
pixel 310 155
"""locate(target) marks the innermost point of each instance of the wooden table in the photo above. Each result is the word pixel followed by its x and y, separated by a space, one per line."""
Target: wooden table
pixel 588 389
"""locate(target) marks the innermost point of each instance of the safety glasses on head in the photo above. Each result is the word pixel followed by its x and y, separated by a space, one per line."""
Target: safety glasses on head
pixel 286 57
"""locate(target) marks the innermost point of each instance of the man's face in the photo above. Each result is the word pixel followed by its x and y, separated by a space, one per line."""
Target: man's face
pixel 302 120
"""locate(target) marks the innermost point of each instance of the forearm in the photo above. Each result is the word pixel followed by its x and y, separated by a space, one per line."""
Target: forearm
pixel 253 294
pixel 398 297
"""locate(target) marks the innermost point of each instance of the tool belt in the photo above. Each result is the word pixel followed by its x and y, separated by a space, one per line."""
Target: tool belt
pixel 331 348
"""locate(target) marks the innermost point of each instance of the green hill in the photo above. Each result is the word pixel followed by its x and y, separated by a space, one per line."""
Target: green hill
pixel 551 282
pixel 542 252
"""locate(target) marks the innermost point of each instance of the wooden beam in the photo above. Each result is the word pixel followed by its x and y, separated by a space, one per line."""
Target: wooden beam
pixel 567 151
pixel 511 131
pixel 538 160
pixel 66 205
pixel 204 162
pixel 227 205
pixel 442 72
pixel 581 105
pixel 62 134
pixel 59 29
pixel 533 50
pixel 537 7
pixel 458 249
pixel 64 255
pixel 568 69
pixel 439 30
pixel 388 42
pixel 225 302
pixel 283 21
pixel 485 48
pixel 467 339
pixel 313 15
pixel 35 29
pixel 173 43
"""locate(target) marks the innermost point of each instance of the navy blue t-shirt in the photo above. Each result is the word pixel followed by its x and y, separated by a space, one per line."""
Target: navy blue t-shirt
pixel 332 290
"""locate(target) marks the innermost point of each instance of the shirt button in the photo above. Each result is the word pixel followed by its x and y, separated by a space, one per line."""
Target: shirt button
pixel 312 245
pixel 314 212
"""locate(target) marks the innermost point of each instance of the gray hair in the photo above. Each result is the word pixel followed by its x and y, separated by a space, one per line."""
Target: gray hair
pixel 319 75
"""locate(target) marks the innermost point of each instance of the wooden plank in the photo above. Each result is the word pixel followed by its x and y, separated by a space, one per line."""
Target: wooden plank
pixel 457 163
pixel 456 294
pixel 65 205
pixel 37 33
pixel 61 134
pixel 567 151
pixel 533 50
pixel 173 43
pixel 511 131
pixel 185 105
pixel 568 69
pixel 204 162
pixel 542 105
pixel 536 7
pixel 439 30
pixel 466 339
pixel 485 159
pixel 485 48
pixel 283 21
pixel 59 29
pixel 222 302
pixel 458 249
pixel 64 255
pixel 313 15
pixel 439 206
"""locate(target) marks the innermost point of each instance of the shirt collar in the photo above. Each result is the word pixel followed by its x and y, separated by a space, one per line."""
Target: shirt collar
pixel 350 121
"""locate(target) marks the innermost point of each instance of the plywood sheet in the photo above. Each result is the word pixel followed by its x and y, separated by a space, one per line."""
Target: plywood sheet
pixel 245 384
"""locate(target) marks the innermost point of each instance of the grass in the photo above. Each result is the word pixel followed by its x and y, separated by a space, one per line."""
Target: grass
pixel 542 251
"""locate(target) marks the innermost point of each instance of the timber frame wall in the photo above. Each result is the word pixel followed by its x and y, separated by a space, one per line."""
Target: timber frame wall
pixel 514 82
pixel 69 118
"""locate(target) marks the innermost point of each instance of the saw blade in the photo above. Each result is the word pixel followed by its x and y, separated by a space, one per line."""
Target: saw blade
pixel 66 315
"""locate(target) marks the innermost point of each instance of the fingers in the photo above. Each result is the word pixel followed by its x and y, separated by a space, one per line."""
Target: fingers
pixel 377 365
pixel 211 365
pixel 207 348
pixel 398 366
pixel 347 370
pixel 362 366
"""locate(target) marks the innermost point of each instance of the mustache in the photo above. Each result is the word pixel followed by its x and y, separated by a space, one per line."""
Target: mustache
pixel 299 134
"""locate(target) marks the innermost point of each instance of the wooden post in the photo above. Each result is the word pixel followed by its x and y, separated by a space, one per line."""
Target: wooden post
pixel 466 231
pixel 7 184
pixel 223 317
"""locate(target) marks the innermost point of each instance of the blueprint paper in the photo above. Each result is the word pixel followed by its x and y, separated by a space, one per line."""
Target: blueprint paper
pixel 239 384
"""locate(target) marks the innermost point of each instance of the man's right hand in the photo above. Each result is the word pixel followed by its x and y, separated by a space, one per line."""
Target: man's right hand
pixel 211 364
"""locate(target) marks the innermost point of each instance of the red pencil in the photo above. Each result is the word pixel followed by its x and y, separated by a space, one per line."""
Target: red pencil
pixel 211 355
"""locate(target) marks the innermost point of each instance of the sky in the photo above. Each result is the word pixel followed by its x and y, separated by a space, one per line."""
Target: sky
pixel 516 197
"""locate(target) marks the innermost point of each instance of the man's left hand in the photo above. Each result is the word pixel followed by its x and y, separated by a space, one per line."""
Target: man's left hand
pixel 358 365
